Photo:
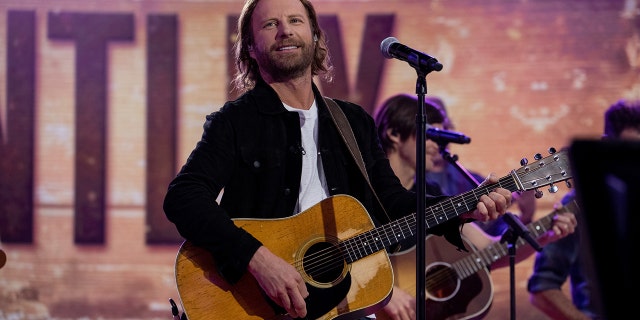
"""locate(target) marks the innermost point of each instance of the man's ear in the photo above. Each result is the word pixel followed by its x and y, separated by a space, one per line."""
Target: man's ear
pixel 393 135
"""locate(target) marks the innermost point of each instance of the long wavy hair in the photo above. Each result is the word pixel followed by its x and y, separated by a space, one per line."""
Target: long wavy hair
pixel 247 71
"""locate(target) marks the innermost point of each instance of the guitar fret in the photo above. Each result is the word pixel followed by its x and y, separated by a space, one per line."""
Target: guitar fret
pixel 470 266
pixel 410 225
pixel 388 230
pixel 503 249
pixel 456 267
pixel 427 219
pixel 458 205
pixel 486 255
pixel 473 263
pixel 467 267
pixel 379 238
pixel 369 243
pixel 344 248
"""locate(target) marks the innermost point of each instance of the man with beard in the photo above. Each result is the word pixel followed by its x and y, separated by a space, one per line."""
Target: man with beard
pixel 276 152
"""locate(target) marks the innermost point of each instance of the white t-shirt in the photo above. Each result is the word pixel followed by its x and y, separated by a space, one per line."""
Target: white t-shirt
pixel 313 185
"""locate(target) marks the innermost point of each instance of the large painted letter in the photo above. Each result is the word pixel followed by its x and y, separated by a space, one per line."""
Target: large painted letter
pixel 91 33
pixel 162 100
pixel 17 146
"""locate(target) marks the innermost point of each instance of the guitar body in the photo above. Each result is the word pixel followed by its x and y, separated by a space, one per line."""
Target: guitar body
pixel 446 297
pixel 346 291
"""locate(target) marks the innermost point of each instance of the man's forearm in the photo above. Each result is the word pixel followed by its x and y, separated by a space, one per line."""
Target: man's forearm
pixel 555 304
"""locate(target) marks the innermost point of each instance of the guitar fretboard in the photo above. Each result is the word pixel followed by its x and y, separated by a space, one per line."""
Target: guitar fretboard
pixel 392 233
pixel 546 171
pixel 475 261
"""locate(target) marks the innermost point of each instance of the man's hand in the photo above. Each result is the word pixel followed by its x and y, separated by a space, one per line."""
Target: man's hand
pixel 401 306
pixel 491 206
pixel 280 281
pixel 564 224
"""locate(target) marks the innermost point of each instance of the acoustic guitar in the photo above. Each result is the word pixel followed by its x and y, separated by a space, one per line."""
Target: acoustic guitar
pixel 338 251
pixel 458 284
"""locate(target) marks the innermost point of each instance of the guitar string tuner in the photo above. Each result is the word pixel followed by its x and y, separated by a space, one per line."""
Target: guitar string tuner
pixel 538 194
pixel 537 156
pixel 568 183
pixel 524 161
pixel 553 188
pixel 552 150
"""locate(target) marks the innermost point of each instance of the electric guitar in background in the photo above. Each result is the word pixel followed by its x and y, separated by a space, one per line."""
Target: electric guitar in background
pixel 458 284
pixel 338 251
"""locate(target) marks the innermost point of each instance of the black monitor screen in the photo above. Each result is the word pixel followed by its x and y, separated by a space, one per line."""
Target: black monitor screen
pixel 607 181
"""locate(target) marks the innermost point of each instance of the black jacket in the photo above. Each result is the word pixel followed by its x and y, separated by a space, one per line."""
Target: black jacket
pixel 251 148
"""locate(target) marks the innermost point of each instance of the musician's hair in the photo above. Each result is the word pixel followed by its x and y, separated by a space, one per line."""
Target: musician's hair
pixel 621 115
pixel 398 113
pixel 247 71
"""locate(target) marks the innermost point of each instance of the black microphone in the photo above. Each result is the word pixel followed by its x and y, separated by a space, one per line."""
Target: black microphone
pixel 441 136
pixel 421 61
pixel 521 230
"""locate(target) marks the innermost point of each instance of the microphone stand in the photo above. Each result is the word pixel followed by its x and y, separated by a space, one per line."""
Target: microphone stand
pixel 516 229
pixel 422 67
pixel 453 160
pixel 511 237
pixel 421 120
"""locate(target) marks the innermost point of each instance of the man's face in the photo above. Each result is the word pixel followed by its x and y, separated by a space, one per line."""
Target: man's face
pixel 283 42
pixel 630 134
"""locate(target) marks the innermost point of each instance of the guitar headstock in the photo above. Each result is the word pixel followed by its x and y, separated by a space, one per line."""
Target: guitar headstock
pixel 544 171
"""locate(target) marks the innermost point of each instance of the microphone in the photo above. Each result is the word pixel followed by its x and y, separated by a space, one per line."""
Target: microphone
pixel 521 230
pixel 421 61
pixel 441 136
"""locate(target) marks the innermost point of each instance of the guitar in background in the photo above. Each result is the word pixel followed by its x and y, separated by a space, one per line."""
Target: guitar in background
pixel 336 249
pixel 458 284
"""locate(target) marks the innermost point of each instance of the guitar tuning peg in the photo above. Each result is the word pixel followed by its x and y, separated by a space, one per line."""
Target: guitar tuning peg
pixel 568 183
pixel 552 150
pixel 524 161
pixel 553 188
pixel 538 194
pixel 537 156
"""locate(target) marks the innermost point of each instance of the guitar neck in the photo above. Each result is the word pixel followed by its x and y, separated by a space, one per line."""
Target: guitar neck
pixel 396 231
pixel 484 258
pixel 543 172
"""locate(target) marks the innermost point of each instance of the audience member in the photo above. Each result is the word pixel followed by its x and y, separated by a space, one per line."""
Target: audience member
pixel 562 260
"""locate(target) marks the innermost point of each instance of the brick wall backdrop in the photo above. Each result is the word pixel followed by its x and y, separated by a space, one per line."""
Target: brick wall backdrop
pixel 101 102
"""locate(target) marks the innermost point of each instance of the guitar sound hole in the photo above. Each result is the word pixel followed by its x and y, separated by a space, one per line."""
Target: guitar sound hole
pixel 441 282
pixel 323 263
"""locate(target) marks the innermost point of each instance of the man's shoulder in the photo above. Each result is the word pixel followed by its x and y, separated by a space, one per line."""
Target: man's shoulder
pixel 351 109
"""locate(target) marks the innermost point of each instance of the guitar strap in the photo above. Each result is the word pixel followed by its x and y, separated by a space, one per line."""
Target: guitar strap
pixel 349 139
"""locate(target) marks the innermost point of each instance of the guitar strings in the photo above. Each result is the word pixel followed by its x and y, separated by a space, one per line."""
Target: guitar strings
pixel 319 263
pixel 335 256
pixel 471 264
